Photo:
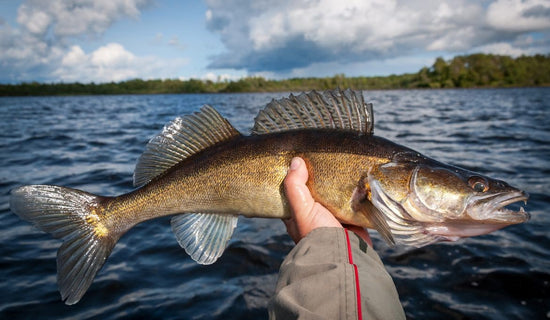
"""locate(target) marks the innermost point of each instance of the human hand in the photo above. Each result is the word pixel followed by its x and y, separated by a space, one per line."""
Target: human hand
pixel 306 213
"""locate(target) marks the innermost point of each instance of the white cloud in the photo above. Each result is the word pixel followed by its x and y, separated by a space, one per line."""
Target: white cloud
pixel 291 35
pixel 74 57
pixel 39 48
pixel 175 42
pixel 519 15
pixel 111 55
pixel 112 62
pixel 69 18
pixel 36 22
pixel 22 54
pixel 108 63
pixel 502 48
pixel 331 23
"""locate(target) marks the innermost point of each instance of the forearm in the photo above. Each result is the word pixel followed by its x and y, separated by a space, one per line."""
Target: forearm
pixel 333 274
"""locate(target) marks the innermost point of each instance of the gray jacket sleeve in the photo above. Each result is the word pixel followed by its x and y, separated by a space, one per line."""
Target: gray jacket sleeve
pixel 334 274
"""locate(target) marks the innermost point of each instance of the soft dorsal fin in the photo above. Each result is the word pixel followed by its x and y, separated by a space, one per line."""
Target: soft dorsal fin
pixel 180 139
pixel 334 109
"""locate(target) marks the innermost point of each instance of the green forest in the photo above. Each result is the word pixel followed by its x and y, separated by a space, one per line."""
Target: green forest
pixel 468 71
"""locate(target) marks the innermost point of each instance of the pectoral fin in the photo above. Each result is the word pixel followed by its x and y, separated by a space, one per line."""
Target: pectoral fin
pixel 204 236
pixel 377 219
pixel 361 204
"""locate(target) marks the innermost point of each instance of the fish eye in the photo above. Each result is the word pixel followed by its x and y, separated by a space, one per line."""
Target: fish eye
pixel 478 184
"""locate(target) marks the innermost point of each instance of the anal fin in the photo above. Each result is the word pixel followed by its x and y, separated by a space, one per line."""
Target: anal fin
pixel 204 236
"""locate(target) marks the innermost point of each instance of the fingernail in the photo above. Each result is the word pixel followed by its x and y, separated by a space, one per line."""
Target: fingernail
pixel 295 163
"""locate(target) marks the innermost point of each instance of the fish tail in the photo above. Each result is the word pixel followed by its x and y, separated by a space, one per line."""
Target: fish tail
pixel 79 219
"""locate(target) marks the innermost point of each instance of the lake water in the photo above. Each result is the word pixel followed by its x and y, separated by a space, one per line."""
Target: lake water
pixel 93 142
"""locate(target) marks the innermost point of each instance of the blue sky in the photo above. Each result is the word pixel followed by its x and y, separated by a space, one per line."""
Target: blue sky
pixel 115 40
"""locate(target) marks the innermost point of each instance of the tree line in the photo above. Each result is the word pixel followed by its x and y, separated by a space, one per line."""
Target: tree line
pixel 467 71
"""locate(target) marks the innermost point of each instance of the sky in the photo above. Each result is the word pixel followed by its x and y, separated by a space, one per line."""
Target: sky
pixel 116 40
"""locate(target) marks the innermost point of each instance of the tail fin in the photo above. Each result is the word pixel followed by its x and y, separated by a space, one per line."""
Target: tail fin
pixel 78 218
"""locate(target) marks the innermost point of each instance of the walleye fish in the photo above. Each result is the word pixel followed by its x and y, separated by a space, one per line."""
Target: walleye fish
pixel 204 172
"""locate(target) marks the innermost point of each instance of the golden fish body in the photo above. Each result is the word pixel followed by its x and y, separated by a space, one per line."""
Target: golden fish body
pixel 244 177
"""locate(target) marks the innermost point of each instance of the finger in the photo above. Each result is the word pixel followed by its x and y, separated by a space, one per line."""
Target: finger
pixel 298 194
pixel 292 229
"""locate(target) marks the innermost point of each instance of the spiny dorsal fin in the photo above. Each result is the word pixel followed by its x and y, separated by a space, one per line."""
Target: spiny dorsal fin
pixel 180 139
pixel 335 109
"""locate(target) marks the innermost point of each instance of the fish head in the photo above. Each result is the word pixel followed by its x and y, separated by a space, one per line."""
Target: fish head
pixel 425 201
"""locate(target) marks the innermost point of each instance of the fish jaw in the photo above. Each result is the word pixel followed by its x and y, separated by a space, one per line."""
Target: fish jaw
pixel 453 231
pixel 493 207
pixel 487 214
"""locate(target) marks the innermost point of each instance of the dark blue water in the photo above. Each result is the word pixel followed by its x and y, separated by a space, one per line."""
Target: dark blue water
pixel 92 143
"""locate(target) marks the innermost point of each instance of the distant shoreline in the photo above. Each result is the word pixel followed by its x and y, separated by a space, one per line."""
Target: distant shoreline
pixel 66 94
pixel 470 71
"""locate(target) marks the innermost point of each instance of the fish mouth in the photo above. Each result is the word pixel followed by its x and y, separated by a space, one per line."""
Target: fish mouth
pixel 494 208
pixel 487 213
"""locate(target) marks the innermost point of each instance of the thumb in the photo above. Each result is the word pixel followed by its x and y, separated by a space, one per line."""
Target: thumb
pixel 297 192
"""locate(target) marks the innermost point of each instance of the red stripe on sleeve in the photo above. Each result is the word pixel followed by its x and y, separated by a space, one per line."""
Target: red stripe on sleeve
pixel 357 288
